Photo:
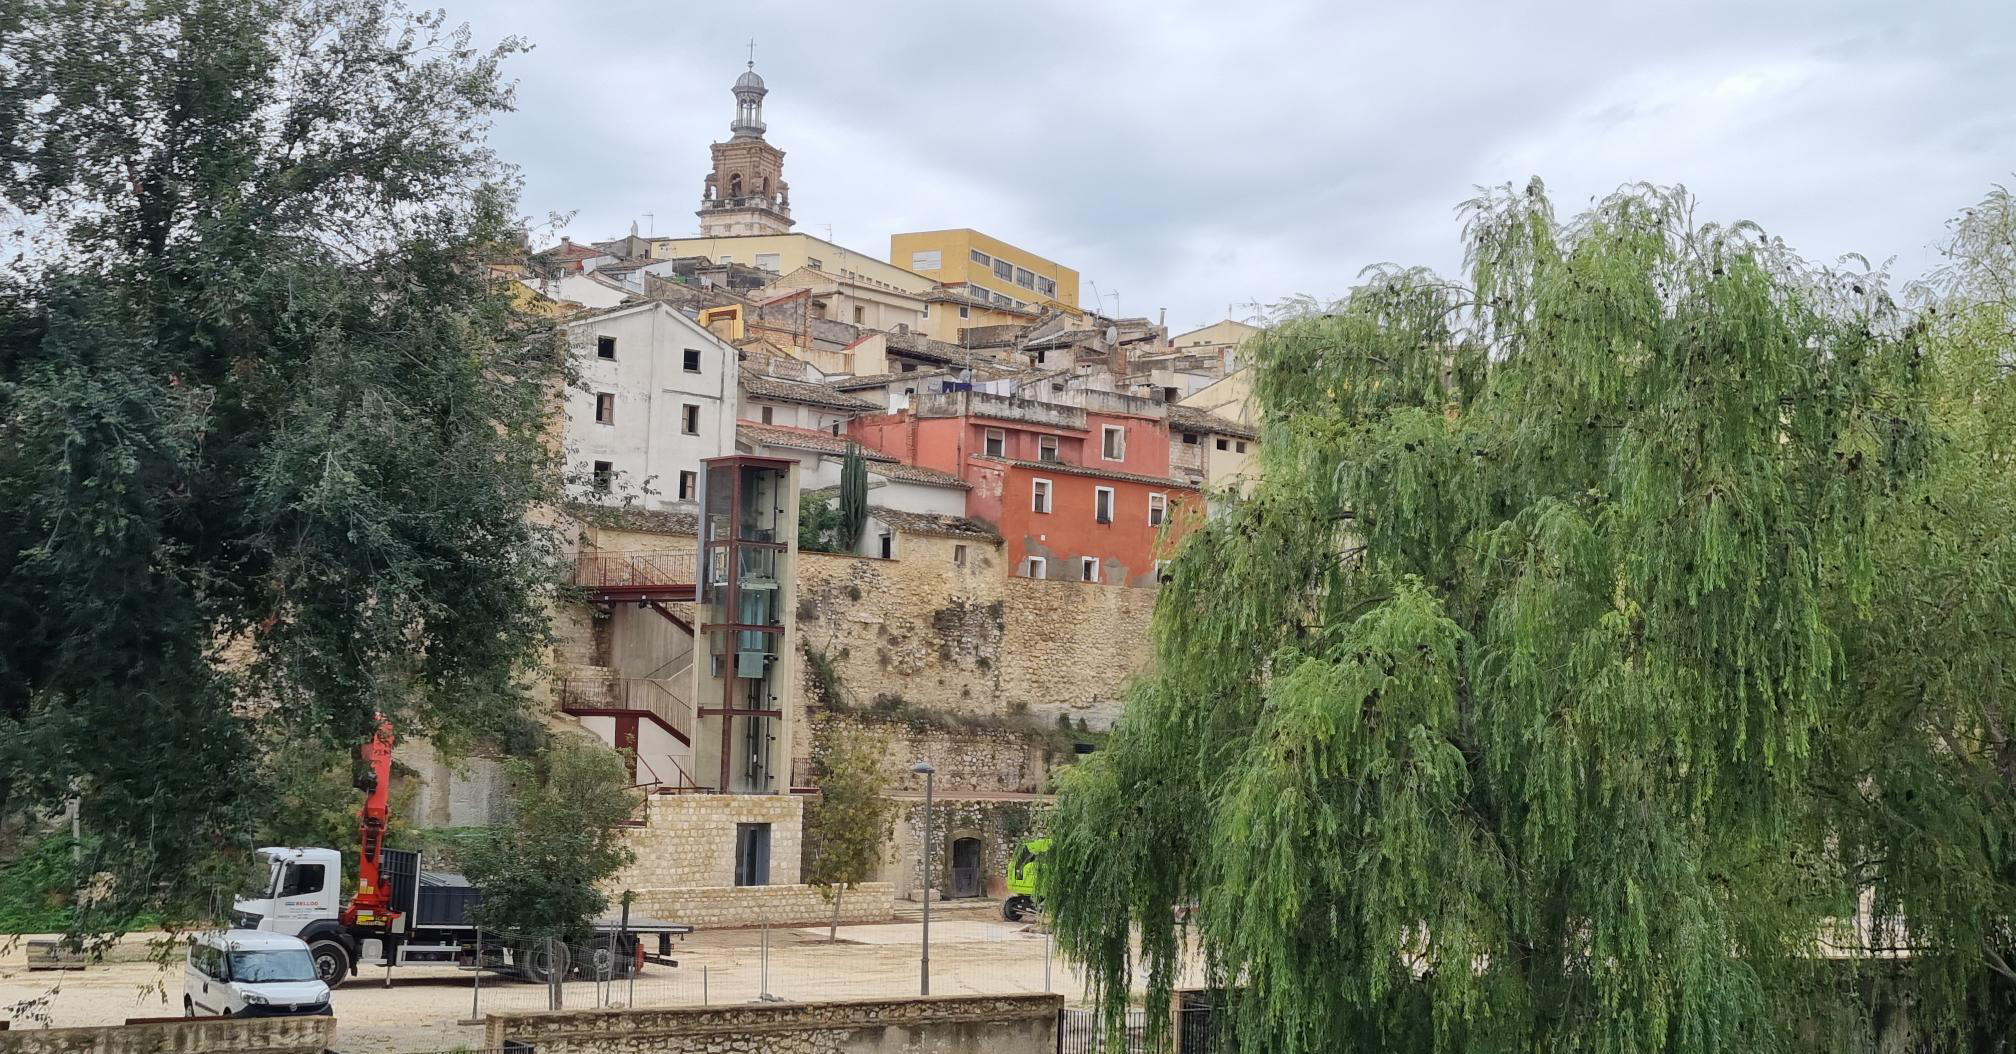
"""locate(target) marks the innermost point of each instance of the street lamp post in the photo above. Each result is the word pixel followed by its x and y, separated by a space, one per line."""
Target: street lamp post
pixel 924 769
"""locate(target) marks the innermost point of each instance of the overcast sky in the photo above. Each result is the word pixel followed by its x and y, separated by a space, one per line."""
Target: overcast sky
pixel 1198 156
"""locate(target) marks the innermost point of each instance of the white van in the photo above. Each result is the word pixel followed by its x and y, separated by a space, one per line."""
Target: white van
pixel 246 973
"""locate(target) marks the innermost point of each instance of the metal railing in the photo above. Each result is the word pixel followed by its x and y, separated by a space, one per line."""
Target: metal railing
pixel 610 570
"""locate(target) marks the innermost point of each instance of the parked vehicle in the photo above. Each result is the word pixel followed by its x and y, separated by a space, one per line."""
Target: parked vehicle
pixel 1023 899
pixel 401 914
pixel 424 918
pixel 246 973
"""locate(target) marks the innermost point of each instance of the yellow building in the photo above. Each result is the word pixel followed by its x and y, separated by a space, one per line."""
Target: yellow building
pixel 1011 277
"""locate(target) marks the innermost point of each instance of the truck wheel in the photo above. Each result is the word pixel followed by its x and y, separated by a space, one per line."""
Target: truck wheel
pixel 1017 908
pixel 541 961
pixel 332 962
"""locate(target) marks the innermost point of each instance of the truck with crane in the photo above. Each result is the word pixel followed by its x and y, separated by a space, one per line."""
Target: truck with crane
pixel 401 913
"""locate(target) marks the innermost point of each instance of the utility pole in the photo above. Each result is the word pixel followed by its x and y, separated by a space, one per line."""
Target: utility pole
pixel 924 769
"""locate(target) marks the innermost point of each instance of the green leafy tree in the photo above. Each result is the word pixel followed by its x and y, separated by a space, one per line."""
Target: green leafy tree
pixel 849 823
pixel 818 526
pixel 269 433
pixel 853 497
pixel 541 871
pixel 1553 689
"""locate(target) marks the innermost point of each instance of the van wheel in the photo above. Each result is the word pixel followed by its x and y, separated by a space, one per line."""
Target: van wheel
pixel 332 962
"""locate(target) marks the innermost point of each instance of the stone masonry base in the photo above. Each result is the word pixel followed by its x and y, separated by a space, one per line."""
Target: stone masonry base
pixel 719 906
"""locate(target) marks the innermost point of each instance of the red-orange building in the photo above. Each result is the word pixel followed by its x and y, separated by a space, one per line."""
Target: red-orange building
pixel 1079 492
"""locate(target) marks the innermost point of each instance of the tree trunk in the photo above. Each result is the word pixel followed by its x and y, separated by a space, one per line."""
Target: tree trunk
pixel 833 931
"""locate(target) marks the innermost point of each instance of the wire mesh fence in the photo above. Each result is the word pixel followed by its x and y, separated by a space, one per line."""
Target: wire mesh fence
pixel 610 970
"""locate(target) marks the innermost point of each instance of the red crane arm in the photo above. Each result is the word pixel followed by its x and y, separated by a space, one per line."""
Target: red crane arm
pixel 372 906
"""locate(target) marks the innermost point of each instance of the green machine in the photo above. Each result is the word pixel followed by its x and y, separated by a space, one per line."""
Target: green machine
pixel 1022 873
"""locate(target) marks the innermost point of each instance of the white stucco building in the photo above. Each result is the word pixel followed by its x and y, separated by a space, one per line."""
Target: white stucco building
pixel 657 392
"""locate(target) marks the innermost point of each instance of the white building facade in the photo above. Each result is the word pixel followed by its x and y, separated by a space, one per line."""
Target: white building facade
pixel 656 394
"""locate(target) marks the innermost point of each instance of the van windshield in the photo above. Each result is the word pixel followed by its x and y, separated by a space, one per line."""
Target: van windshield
pixel 285 964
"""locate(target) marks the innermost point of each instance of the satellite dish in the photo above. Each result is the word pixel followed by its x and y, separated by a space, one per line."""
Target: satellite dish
pixel 1112 334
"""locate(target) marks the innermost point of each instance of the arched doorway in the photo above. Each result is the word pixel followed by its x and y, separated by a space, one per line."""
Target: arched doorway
pixel 966 880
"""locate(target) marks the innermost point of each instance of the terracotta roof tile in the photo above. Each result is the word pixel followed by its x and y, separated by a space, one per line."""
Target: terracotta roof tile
pixel 803 439
pixel 1062 468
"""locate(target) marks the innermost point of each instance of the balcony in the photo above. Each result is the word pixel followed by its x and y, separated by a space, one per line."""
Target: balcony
pixel 999 407
pixel 638 576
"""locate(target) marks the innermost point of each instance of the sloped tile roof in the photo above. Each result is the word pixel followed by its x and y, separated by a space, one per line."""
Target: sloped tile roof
pixel 935 523
pixel 803 439
pixel 805 392
pixel 1190 419
pixel 919 474
pixel 1063 468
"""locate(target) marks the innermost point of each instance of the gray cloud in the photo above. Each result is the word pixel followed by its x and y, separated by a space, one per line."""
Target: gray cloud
pixel 1194 156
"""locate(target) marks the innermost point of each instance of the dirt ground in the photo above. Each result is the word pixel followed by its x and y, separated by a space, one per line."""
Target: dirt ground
pixel 430 1008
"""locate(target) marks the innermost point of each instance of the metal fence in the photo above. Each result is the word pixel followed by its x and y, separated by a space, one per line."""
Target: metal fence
pixel 610 971
pixel 1081 1031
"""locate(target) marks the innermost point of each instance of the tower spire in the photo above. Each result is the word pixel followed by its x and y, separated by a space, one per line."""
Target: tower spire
pixel 749 92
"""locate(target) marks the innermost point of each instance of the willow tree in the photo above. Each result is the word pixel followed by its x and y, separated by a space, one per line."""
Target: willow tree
pixel 1503 714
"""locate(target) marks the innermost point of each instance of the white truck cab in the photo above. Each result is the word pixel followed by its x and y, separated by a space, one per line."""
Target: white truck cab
pixel 247 973
pixel 301 886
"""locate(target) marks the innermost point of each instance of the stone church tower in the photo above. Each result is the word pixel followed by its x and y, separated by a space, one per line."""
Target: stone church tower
pixel 746 192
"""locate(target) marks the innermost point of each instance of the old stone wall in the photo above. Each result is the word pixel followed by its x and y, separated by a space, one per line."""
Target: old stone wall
pixel 714 907
pixel 945 629
pixel 1017 1024
pixel 688 840
pixel 260 1035
pixel 999 826
pixel 981 758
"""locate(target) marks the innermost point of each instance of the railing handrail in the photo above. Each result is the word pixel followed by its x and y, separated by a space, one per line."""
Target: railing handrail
pixel 652 567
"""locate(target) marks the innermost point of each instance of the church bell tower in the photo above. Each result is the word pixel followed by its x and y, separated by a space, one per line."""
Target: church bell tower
pixel 746 192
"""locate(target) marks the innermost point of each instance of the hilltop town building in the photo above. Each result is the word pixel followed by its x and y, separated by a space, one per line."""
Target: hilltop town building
pixel 987 268
pixel 746 192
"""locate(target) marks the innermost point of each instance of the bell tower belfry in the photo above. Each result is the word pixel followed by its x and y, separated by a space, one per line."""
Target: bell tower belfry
pixel 746 192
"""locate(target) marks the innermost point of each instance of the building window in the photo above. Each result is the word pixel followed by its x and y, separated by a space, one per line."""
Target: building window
pixel 752 854
pixel 888 546
pixel 1239 447
pixel 1046 287
pixel 1039 495
pixel 605 347
pixel 959 555
pixel 689 416
pixel 726 260
pixel 1034 567
pixel 692 360
pixel 996 442
pixel 1046 448
pixel 860 314
pixel 1041 356
pixel 927 309
pixel 979 257
pixel 689 485
pixel 766 414
pixel 605 408
pixel 1113 443
pixel 1158 509
pixel 1002 301
pixel 1102 504
pixel 1088 568
pixel 1025 278
pixel 605 472
pixel 1190 438
pixel 925 260
pixel 1004 270
pixel 965 312
pixel 1222 444
pixel 815 263
pixel 770 262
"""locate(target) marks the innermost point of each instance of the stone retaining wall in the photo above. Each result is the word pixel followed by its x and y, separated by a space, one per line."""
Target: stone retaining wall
pixel 259 1035
pixel 711 907
pixel 688 840
pixel 1013 1024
